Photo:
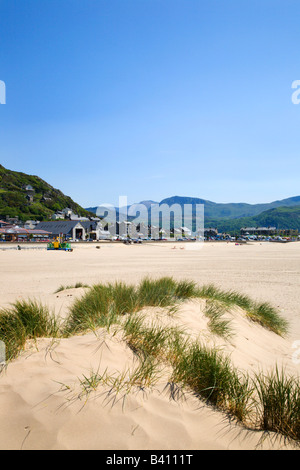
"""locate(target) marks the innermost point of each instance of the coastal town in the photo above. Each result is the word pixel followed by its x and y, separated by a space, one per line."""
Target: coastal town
pixel 73 228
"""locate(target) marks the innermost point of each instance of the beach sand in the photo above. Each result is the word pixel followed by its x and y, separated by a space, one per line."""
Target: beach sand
pixel 41 400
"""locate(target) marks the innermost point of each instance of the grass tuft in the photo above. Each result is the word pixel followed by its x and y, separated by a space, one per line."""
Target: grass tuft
pixel 217 324
pixel 157 293
pixel 278 404
pixel 210 376
pixel 263 313
pixel 25 320
pixel 103 304
pixel 267 316
pixel 76 286
pixel 145 341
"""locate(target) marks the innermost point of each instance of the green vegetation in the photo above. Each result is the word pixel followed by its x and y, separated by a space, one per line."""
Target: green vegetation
pixel 100 307
pixel 218 325
pixel 230 218
pixel 103 305
pixel 145 375
pixel 211 376
pixel 278 404
pixel 260 312
pixel 106 302
pixel 145 340
pixel 46 199
pixel 231 211
pixel 76 286
pixel 283 218
pixel 264 402
pixel 24 321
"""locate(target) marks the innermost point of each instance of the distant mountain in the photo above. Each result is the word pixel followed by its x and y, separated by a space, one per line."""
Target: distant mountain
pixel 214 210
pixel 30 197
pixel 147 204
pixel 282 214
pixel 280 217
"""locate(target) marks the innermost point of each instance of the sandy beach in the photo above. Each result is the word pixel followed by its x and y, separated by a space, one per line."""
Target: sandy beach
pixel 41 404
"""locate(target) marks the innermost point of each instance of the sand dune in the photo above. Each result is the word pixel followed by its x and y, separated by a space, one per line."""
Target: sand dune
pixel 42 400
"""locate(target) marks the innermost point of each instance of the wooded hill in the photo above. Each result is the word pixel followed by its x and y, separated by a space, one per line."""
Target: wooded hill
pixel 40 203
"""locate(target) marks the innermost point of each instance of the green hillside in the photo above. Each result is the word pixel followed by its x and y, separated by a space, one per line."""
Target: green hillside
pixel 46 200
pixel 214 210
pixel 283 218
pixel 283 214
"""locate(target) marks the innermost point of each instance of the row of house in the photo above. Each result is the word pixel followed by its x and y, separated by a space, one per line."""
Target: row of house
pixel 74 227
pixel 84 229
pixel 11 232
pixel 69 229
pixel 264 231
pixel 268 232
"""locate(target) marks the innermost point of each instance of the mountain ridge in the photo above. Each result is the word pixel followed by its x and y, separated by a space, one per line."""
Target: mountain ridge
pixel 43 200
pixel 234 209
pixel 231 217
pixel 219 211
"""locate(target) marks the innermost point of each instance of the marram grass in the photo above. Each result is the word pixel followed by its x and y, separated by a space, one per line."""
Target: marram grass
pixel 75 286
pixel 23 321
pixel 101 306
pixel 271 401
pixel 278 403
pixel 104 303
pixel 218 324
pixel 260 312
pixel 211 376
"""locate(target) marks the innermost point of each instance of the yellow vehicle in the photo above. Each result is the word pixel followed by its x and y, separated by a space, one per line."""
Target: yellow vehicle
pixel 59 244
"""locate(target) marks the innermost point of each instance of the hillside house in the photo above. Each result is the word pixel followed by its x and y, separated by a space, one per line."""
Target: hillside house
pixel 12 220
pixel 29 193
pixel 58 216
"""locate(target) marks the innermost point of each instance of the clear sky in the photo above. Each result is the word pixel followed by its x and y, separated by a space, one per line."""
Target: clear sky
pixel 152 98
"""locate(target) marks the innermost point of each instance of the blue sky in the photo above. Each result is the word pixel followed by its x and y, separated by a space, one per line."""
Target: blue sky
pixel 152 98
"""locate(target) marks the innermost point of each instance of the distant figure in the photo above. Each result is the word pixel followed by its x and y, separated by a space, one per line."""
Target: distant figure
pixel 18 247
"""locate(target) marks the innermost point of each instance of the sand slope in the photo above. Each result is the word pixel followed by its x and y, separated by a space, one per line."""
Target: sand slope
pixel 43 404
pixel 41 401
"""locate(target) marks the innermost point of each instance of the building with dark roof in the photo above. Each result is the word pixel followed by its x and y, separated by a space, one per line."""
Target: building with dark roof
pixel 15 233
pixel 74 229
pixel 67 228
